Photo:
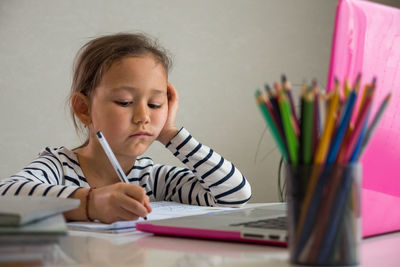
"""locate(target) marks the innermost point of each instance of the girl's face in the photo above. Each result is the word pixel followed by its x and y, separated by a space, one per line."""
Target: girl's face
pixel 130 105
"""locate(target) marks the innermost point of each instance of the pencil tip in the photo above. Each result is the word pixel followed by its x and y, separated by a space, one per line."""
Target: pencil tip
pixel 283 78
pixel 314 82
pixel 357 83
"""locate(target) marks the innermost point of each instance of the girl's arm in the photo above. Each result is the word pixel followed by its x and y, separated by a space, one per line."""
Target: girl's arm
pixel 209 179
pixel 42 177
pixel 56 174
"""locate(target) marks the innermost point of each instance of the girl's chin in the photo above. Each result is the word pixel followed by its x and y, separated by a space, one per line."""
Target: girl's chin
pixel 137 150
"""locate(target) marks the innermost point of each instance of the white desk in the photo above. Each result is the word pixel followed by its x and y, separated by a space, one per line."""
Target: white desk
pixel 141 249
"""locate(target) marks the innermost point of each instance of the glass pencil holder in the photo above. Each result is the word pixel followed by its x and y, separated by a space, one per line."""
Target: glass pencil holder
pixel 324 221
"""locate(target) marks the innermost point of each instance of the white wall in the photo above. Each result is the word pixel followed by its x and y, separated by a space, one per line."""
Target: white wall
pixel 223 51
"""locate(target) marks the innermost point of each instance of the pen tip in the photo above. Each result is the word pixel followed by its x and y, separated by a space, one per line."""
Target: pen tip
pixel 99 134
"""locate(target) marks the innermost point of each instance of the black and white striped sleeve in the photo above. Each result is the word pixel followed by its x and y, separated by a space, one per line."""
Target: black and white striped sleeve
pixel 209 179
pixel 42 177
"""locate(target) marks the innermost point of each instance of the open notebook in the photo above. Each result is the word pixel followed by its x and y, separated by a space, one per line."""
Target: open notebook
pixel 366 39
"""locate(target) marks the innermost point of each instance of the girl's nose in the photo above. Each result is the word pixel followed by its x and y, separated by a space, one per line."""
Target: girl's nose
pixel 141 113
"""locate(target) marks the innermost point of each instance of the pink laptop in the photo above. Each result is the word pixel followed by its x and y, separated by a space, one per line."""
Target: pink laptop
pixel 366 40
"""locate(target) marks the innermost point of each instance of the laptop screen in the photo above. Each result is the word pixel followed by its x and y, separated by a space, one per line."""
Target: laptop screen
pixel 366 40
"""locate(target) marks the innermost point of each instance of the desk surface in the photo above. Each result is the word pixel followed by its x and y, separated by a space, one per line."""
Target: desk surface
pixel 142 249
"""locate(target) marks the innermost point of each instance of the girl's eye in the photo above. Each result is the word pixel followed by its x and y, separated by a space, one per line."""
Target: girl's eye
pixel 154 106
pixel 123 103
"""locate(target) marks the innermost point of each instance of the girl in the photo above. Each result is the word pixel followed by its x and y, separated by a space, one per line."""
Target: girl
pixel 120 87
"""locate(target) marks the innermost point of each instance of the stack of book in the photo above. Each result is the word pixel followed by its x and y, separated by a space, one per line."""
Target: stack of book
pixel 31 221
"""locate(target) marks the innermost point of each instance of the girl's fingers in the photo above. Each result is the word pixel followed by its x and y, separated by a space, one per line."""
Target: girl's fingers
pixel 125 215
pixel 133 206
pixel 172 95
pixel 134 191
pixel 133 199
pixel 147 205
pixel 121 202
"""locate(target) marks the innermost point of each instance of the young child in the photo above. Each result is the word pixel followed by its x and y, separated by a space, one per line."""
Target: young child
pixel 120 87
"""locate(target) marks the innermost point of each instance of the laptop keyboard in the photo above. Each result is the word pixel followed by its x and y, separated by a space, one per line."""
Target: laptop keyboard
pixel 272 223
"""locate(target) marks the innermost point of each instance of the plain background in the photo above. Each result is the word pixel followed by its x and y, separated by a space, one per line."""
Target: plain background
pixel 223 50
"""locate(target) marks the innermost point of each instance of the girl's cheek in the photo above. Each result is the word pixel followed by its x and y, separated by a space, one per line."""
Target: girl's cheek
pixel 162 119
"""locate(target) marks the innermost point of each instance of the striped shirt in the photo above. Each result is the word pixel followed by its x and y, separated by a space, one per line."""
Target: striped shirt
pixel 208 178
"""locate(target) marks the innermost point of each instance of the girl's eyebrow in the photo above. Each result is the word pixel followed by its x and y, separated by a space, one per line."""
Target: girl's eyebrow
pixel 132 89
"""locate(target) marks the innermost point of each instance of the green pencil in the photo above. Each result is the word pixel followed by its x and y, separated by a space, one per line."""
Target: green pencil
pixel 291 137
pixel 261 102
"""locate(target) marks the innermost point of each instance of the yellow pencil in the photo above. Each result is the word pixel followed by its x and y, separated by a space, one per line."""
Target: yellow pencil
pixel 325 140
pixel 346 88
pixel 320 156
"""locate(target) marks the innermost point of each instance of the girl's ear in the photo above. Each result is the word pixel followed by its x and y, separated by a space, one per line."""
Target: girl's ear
pixel 81 107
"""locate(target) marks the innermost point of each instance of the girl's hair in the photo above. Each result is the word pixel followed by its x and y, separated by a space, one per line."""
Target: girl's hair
pixel 97 56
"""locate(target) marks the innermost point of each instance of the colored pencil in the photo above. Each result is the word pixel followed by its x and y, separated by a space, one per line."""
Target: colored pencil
pixel 346 88
pixel 307 128
pixel 337 210
pixel 261 101
pixel 288 90
pixel 290 134
pixel 346 116
pixel 361 119
pixel 317 121
pixel 374 122
pixel 273 98
pixel 356 152
pixel 326 186
pixel 325 140
pixel 301 122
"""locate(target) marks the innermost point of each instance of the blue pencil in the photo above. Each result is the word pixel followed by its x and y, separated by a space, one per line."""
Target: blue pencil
pixel 345 119
pixel 313 209
pixel 336 215
pixel 355 154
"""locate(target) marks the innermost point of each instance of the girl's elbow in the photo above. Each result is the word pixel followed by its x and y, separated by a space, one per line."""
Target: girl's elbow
pixel 245 195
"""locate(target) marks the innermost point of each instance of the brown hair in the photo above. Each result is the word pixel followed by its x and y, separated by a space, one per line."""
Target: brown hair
pixel 97 56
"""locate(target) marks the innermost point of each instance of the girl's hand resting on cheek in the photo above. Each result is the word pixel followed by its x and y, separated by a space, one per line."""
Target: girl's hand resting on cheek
pixel 170 129
pixel 118 202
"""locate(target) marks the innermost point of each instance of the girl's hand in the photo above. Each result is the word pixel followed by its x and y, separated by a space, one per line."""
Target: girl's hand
pixel 170 129
pixel 118 202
